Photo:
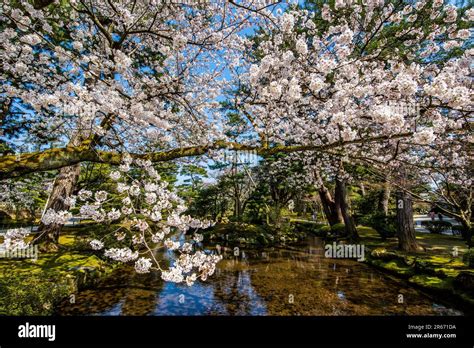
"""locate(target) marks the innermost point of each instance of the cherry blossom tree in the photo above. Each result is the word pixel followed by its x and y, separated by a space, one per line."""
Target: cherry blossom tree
pixel 106 77
pixel 373 81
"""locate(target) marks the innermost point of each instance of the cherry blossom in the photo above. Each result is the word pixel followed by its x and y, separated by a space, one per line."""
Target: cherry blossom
pixel 146 225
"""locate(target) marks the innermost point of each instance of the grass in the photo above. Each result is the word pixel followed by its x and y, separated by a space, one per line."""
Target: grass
pixel 434 244
pixel 29 287
pixel 431 282
pixel 437 268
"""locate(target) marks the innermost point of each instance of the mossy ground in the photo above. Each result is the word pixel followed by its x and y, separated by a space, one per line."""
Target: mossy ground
pixel 33 287
pixel 435 269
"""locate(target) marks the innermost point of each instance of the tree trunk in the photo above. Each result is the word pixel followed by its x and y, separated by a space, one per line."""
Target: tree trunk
pixel 62 188
pixel 338 201
pixel 467 230
pixel 237 205
pixel 341 197
pixel 362 189
pixel 405 225
pixel 329 206
pixel 385 197
pixel 244 206
pixel 277 214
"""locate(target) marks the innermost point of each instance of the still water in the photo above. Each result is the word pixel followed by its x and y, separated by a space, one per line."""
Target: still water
pixel 279 281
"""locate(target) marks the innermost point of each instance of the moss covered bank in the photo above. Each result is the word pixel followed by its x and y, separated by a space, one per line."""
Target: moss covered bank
pixel 34 287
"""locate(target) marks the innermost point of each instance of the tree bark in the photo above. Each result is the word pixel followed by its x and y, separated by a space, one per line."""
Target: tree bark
pixel 467 233
pixel 329 206
pixel 237 207
pixel 11 166
pixel 341 197
pixel 405 225
pixel 338 198
pixel 63 188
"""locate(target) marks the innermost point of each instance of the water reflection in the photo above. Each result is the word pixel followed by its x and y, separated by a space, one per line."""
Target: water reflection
pixel 291 281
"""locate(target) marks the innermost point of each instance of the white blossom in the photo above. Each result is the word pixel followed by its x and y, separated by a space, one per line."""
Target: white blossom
pixel 424 137
pixel 121 254
pixel 51 217
pixel 115 175
pixel 96 244
pixel 143 265
pixel 301 46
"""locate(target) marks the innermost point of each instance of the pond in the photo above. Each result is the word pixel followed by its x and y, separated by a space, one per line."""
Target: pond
pixel 296 280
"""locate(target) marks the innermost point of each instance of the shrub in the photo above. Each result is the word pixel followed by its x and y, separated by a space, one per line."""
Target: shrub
pixel 385 225
pixel 308 227
pixel 338 229
pixel 467 235
pixel 438 227
pixel 25 294
pixel 262 239
pixel 324 230
pixel 464 232
pixel 468 258
pixel 458 230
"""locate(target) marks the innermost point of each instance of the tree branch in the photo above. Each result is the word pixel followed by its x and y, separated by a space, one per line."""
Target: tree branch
pixel 21 164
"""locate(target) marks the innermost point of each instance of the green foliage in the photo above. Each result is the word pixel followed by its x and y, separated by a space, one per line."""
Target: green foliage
pixel 210 202
pixel 192 182
pixel 438 226
pixel 384 225
pixel 239 234
pixel 308 226
pixel 465 233
pixel 24 294
pixel 468 258
pixel 324 230
pixel 338 229
pixel 367 204
pixel 256 204
pixel 25 197
pixel 29 287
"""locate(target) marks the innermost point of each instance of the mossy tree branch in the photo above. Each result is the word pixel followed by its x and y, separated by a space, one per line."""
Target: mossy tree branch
pixel 17 165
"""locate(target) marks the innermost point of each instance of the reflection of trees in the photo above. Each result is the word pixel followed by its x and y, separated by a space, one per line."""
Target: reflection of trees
pixel 124 291
pixel 140 296
pixel 233 290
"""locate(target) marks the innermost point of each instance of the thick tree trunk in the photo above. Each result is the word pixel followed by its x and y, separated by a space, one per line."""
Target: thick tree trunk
pixel 467 230
pixel 338 198
pixel 62 188
pixel 329 206
pixel 405 225
pixel 341 197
